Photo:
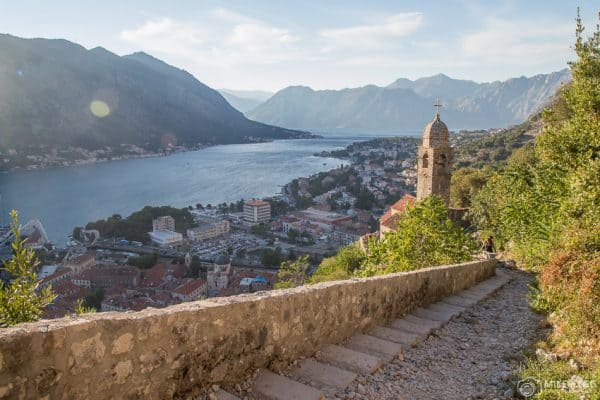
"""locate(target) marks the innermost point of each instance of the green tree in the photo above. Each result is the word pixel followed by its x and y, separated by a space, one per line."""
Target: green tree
pixel 195 267
pixel 270 257
pixel 20 300
pixel 293 273
pixel 545 206
pixel 293 235
pixel 341 266
pixel 424 237
pixel 81 308
pixel 94 300
pixel 145 261
pixel 466 182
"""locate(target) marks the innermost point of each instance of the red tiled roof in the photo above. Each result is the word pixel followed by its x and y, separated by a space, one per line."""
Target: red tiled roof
pixel 189 287
pixel 56 274
pixel 392 221
pixel 81 259
pixel 157 275
pixel 402 204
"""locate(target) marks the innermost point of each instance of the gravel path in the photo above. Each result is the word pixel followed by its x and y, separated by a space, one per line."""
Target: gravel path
pixel 474 356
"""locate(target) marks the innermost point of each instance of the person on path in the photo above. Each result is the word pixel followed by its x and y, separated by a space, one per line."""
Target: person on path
pixel 488 247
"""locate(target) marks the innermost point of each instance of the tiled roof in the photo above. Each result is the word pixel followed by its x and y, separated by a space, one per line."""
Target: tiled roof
pixel 81 259
pixel 392 221
pixel 190 287
pixel 60 272
pixel 404 202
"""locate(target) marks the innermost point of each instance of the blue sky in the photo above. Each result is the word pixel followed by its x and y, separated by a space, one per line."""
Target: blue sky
pixel 323 44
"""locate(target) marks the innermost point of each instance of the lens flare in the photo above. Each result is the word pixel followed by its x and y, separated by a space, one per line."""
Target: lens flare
pixel 99 108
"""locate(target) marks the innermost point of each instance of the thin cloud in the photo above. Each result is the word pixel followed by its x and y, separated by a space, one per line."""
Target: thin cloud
pixel 224 38
pixel 519 42
pixel 374 35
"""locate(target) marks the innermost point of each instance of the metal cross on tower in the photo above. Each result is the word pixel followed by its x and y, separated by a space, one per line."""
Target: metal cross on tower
pixel 437 106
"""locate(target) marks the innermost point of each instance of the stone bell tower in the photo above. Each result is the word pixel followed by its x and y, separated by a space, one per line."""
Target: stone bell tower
pixel 434 164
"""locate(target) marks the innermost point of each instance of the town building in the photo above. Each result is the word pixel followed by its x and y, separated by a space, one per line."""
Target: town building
pixel 108 277
pixel 81 263
pixel 192 290
pixel 218 278
pixel 164 223
pixel 325 220
pixel 434 166
pixel 58 276
pixel 208 229
pixel 348 234
pixel 257 211
pixel 165 238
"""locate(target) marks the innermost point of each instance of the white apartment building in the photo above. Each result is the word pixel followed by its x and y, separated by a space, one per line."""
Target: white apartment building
pixel 166 238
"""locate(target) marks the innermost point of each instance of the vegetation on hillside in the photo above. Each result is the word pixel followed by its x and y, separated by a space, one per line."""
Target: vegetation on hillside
pixel 492 150
pixel 20 301
pixel 425 237
pixel 137 225
pixel 544 209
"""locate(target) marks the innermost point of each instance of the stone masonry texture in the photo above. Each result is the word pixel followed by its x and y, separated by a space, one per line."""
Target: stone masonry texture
pixel 164 353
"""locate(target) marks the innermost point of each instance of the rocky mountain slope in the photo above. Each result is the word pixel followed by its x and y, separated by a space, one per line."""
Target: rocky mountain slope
pixel 57 93
pixel 407 105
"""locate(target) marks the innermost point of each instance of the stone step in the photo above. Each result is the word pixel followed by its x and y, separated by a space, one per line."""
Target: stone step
pixel 425 322
pixel 408 326
pixel 477 295
pixel 434 315
pixel 350 360
pixel 446 308
pixel 384 349
pixel 270 386
pixel 322 375
pixel 223 395
pixel 469 295
pixel 493 283
pixel 459 301
pixel 395 335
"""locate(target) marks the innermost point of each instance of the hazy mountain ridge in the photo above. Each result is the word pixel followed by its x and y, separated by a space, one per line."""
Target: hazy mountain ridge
pixel 407 105
pixel 48 86
pixel 245 100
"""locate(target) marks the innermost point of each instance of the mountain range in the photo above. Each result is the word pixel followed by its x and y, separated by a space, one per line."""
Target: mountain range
pixel 55 92
pixel 245 100
pixel 407 105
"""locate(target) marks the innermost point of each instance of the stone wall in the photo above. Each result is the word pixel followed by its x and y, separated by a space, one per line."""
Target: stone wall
pixel 162 353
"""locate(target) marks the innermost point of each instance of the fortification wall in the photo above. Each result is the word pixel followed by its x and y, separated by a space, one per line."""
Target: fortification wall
pixel 160 353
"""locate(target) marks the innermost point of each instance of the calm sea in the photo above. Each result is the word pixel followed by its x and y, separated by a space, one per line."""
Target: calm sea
pixel 63 198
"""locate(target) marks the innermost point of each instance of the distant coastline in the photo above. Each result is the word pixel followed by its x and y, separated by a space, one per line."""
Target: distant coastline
pixel 46 157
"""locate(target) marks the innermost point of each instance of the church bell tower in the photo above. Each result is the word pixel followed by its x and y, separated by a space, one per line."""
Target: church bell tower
pixel 434 164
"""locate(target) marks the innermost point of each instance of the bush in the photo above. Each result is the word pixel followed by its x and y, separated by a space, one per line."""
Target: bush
pixel 425 237
pixel 145 261
pixel 341 266
pixel 293 273
pixel 19 299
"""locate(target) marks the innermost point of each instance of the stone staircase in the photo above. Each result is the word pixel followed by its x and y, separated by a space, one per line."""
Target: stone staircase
pixel 334 368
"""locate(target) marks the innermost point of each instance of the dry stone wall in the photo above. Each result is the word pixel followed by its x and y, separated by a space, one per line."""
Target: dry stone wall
pixel 163 353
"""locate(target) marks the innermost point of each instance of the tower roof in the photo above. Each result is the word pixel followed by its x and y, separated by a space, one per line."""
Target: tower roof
pixel 435 133
pixel 222 260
